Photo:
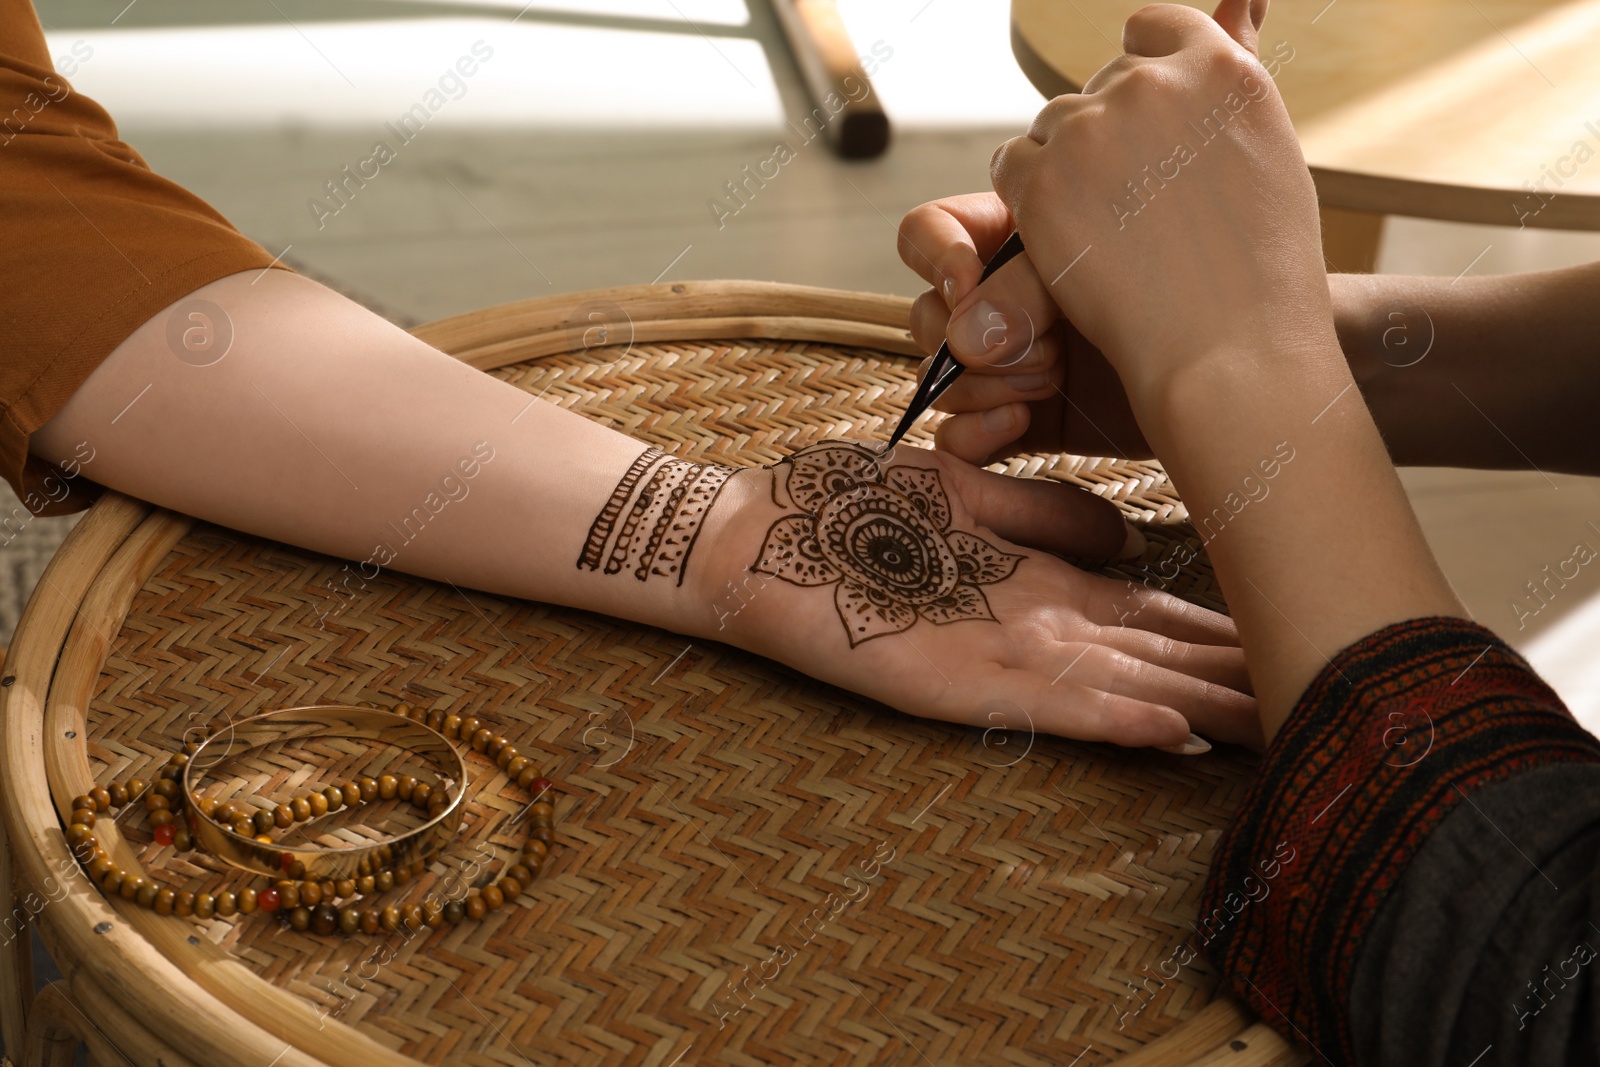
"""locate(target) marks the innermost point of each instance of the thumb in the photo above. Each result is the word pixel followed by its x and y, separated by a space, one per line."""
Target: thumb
pixel 1046 515
pixel 1242 20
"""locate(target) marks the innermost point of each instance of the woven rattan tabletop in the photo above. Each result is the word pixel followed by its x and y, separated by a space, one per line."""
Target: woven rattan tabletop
pixel 750 867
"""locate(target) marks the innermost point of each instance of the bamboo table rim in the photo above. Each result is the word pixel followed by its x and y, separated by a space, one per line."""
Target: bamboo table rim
pixel 204 1004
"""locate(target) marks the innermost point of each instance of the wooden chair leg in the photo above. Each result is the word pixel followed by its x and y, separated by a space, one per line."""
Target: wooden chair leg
pixel 16 955
pixel 1350 240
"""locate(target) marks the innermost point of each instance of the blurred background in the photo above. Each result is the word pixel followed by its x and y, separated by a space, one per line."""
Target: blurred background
pixel 592 146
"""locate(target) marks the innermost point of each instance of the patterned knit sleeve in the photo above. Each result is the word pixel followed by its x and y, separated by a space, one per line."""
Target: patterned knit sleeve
pixel 1399 732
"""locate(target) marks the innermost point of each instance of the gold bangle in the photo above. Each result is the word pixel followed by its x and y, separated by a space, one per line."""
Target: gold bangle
pixel 319 862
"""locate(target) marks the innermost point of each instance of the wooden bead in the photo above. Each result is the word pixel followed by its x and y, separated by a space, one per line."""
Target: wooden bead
pixel 522 874
pixel 265 839
pixel 542 812
pixel 288 893
pixel 370 923
pixel 166 788
pixel 78 832
pixel 244 827
pixel 345 887
pixel 476 908
pixel 182 839
pixel 163 901
pixel 403 709
pixel 301 808
pixel 481 739
pixel 84 802
pixel 112 882
pixel 170 774
pixel 324 919
pixel 404 786
pixel 453 912
pixel 543 834
pixel 469 726
pixel 414 918
pixel 318 804
pixel 247 901
pixel 300 918
pixel 494 746
pixel 330 891
pixel 365 885
pixel 98 868
pixel 492 897
pixel 352 793
pixel 387 785
pixel 527 776
pixel 510 888
pixel 451 727
pixel 310 894
pixel 83 816
pixel 101 798
pixel 224 813
pixel 297 869
pixel 384 880
pixel 535 848
pixel 389 918
pixel 533 861
pixel 136 788
pixel 263 818
pixel 435 719
pixel 369 788
pixel 433 913
pixel 183 904
pixel 517 765
pixel 119 794
pixel 146 895
pixel 207 805
pixel 160 818
pixel 226 903
pixel 205 905
pixel 422 794
pixel 333 796
pixel 349 920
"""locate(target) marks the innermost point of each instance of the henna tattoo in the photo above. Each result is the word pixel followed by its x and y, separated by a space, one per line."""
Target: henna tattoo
pixel 661 502
pixel 882 536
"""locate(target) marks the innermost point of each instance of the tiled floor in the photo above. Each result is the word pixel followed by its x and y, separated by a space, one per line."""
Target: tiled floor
pixel 590 148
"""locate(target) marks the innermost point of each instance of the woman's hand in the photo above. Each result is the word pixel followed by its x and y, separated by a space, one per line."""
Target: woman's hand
pixel 1168 207
pixel 1033 383
pixel 894 577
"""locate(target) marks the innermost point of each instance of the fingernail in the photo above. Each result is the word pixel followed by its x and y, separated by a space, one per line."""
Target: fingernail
pixel 1000 419
pixel 978 330
pixel 951 296
pixel 1195 746
pixel 1135 545
pixel 1026 383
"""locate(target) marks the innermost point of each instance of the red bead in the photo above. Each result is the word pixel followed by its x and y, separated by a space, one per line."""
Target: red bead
pixel 165 833
pixel 540 786
pixel 267 900
pixel 286 861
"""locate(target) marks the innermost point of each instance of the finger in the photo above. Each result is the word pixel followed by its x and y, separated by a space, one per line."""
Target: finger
pixel 1045 514
pixel 1132 603
pixel 1009 168
pixel 930 318
pixel 1212 710
pixel 980 393
pixel 1222 664
pixel 1162 29
pixel 999 323
pixel 1242 19
pixel 1023 701
pixel 948 241
pixel 979 436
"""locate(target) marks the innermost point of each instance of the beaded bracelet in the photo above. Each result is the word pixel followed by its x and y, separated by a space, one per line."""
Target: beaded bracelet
pixel 309 904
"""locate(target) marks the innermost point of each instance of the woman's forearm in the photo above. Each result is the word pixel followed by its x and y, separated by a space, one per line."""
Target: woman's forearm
pixel 1303 517
pixel 1496 372
pixel 327 427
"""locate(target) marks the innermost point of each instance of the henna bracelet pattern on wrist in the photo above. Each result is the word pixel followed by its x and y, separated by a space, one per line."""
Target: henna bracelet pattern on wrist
pixel 882 537
pixel 653 517
pixel 309 903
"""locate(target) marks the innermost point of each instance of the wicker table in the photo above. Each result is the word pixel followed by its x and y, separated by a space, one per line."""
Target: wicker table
pixel 708 898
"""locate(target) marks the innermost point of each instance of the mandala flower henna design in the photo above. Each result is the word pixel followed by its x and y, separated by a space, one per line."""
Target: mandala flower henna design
pixel 882 537
pixel 652 519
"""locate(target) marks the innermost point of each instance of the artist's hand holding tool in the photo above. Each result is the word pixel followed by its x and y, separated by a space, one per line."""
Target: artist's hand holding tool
pixel 1170 218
